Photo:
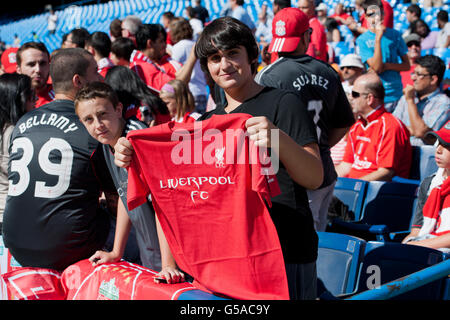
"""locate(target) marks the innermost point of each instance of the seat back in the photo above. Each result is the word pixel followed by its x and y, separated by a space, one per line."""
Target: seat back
pixel 423 163
pixel 351 192
pixel 390 204
pixel 338 260
pixel 387 261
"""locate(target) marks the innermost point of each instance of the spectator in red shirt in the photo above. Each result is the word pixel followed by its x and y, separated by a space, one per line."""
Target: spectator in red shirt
pixel 363 26
pixel 121 51
pixel 151 44
pixel 339 14
pixel 163 58
pixel 388 19
pixel 99 45
pixel 166 19
pixel 33 60
pixel 115 29
pixel 414 52
pixel 130 26
pixel 318 44
pixel 378 146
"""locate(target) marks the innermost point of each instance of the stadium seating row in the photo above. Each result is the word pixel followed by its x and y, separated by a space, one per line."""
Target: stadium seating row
pixel 383 210
pixel 348 265
pixel 96 17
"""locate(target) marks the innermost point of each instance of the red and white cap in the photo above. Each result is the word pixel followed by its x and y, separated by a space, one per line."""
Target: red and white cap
pixel 9 60
pixel 443 135
pixel 288 26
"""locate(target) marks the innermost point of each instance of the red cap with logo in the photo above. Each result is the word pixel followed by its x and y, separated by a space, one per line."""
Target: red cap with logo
pixel 9 60
pixel 443 135
pixel 288 26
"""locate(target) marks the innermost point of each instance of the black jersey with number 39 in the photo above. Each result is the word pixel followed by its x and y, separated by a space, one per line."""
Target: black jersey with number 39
pixel 52 216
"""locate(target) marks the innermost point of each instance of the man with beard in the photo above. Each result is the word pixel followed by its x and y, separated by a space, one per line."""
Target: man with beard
pixel 33 60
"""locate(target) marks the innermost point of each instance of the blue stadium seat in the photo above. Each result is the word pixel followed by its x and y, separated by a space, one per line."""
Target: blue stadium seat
pixel 384 262
pixel 423 162
pixel 443 53
pixel 351 192
pixel 425 52
pixel 341 48
pixel 388 207
pixel 338 261
pixel 447 74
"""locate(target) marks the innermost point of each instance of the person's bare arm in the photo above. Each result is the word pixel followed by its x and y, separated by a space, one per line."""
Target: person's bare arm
pixel 417 127
pixel 376 62
pixel 169 269
pixel 414 233
pixel 185 72
pixel 381 174
pixel 403 66
pixel 343 169
pixel 434 243
pixel 123 226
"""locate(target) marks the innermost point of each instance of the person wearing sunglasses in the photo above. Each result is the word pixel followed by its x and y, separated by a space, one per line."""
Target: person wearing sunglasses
pixel 423 106
pixel 414 52
pixel 381 48
pixel 318 39
pixel 378 146
pixel 351 68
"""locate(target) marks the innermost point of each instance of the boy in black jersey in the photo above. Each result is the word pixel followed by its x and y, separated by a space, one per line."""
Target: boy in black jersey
pixel 100 111
pixel 228 52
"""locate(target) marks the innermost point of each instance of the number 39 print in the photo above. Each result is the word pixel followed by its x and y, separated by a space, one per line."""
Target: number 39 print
pixel 62 169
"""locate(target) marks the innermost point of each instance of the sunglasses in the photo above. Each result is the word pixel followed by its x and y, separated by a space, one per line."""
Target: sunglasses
pixel 358 94
pixel 350 67
pixel 413 43
pixel 370 14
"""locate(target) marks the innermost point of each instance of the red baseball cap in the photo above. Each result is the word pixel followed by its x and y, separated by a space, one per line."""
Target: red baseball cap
pixel 288 25
pixel 9 60
pixel 443 135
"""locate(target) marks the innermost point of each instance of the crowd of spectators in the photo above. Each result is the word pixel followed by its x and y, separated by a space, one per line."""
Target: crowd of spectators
pixel 368 107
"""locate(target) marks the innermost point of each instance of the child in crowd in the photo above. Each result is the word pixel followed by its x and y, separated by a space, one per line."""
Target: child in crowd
pixel 99 109
pixel 180 101
pixel 431 225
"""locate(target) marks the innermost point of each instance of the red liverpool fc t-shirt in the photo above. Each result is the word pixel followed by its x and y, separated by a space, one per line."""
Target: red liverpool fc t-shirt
pixel 210 192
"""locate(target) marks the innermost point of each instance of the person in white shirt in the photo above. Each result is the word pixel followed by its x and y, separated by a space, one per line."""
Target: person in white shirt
pixel 52 20
pixel 443 38
pixel 196 24
pixel 182 38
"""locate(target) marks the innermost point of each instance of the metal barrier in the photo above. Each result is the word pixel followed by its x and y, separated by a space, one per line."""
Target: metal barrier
pixel 407 283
